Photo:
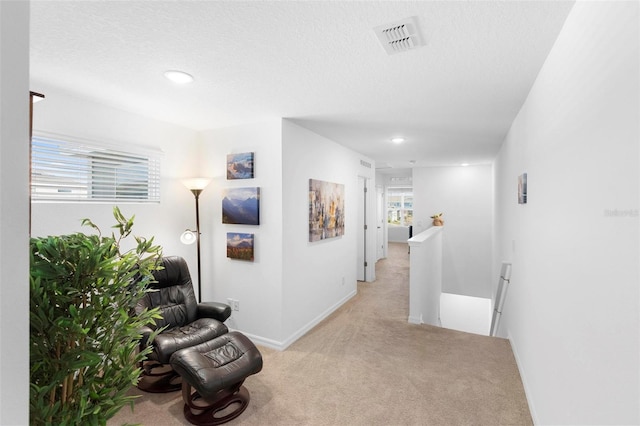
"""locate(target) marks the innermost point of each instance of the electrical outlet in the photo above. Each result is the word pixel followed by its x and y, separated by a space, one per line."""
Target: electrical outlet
pixel 236 305
pixel 230 302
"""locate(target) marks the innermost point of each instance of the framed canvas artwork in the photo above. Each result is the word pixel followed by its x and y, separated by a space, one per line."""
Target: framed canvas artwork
pixel 326 210
pixel 522 189
pixel 240 246
pixel 240 166
pixel 241 206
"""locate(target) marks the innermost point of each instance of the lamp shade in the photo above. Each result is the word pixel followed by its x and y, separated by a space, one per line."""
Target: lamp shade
pixel 196 183
pixel 188 237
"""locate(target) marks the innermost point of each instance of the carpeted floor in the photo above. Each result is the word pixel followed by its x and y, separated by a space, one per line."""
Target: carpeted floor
pixel 366 365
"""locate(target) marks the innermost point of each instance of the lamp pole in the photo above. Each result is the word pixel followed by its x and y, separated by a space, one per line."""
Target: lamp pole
pixel 196 186
pixel 196 193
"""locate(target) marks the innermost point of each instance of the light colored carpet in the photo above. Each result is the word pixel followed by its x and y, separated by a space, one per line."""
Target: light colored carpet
pixel 365 365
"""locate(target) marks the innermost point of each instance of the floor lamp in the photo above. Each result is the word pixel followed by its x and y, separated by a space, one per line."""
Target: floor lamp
pixel 196 186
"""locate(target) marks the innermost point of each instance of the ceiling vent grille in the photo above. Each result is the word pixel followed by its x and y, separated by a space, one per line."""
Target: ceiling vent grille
pixel 365 164
pixel 399 36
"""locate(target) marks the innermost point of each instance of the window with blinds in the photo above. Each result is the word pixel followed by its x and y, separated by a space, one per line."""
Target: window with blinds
pixel 63 169
pixel 400 206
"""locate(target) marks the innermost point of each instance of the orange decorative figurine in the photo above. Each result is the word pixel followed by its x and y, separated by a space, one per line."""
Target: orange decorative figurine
pixel 437 219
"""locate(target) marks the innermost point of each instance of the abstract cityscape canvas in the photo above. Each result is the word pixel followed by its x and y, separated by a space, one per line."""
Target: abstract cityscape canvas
pixel 326 210
pixel 522 189
pixel 240 166
pixel 239 246
pixel 241 206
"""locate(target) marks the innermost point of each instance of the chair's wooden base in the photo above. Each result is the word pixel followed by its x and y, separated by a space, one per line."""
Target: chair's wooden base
pixel 220 410
pixel 159 378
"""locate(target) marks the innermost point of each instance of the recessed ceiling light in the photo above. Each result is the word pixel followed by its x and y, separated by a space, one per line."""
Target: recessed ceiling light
pixel 178 77
pixel 397 140
pixel 464 164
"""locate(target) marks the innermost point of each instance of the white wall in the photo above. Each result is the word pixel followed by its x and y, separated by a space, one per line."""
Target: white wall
pixel 265 302
pixel 394 177
pixel 465 197
pixel 425 277
pixel 291 284
pixel 65 114
pixel 572 308
pixel 397 233
pixel 256 285
pixel 318 277
pixel 14 213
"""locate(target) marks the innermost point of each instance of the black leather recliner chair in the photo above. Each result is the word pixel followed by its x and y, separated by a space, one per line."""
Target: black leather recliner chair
pixel 188 323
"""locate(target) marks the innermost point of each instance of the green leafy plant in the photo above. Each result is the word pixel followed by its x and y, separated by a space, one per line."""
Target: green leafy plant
pixel 84 351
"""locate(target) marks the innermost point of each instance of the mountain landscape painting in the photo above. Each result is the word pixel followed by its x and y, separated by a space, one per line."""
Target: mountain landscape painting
pixel 240 166
pixel 241 206
pixel 239 246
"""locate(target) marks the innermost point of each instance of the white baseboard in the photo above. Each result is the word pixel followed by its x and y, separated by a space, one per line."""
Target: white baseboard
pixel 415 320
pixel 281 346
pixel 261 341
pixel 523 377
pixel 302 331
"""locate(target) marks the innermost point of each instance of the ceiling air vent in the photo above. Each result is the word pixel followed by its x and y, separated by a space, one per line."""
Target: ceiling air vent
pixel 400 36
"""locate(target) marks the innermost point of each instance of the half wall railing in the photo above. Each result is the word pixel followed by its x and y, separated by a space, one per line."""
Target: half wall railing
pixel 425 277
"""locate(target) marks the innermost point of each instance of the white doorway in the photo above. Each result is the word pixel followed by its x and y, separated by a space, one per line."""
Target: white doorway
pixel 399 211
pixel 362 227
pixel 381 221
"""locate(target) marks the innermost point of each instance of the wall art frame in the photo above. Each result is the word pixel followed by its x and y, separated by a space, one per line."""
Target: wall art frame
pixel 240 246
pixel 241 206
pixel 240 166
pixel 326 210
pixel 522 189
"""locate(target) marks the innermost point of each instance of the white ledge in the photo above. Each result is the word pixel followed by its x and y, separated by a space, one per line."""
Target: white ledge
pixel 424 235
pixel 425 276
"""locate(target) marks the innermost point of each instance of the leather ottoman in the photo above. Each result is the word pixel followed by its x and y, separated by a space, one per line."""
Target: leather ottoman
pixel 212 376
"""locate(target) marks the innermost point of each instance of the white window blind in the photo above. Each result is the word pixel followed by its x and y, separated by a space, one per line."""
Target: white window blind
pixel 63 169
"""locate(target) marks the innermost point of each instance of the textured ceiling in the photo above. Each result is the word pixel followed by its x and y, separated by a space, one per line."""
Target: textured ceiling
pixel 316 62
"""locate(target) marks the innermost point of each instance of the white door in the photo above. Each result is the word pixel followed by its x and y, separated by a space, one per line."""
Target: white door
pixel 380 219
pixel 362 237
